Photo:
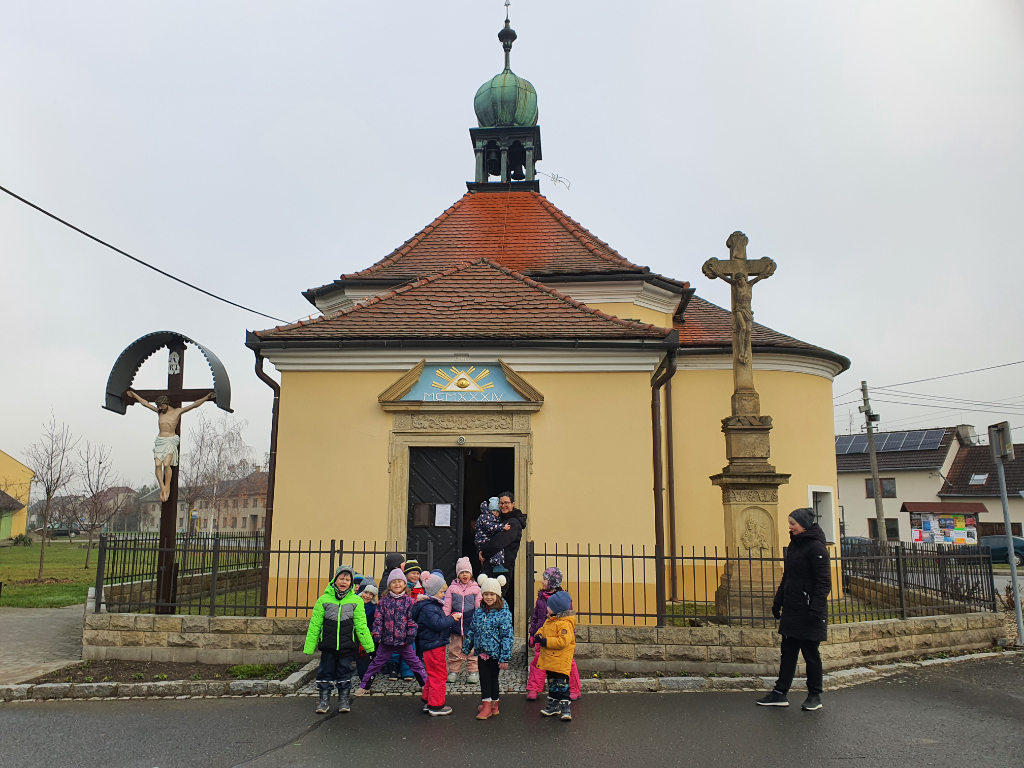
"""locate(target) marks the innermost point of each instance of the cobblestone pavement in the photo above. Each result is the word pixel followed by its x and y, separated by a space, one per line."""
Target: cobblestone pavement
pixel 34 641
pixel 511 680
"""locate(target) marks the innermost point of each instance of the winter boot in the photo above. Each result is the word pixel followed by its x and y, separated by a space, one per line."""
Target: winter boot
pixel 452 677
pixel 325 701
pixel 494 708
pixel 441 711
pixel 474 677
pixel 344 703
pixel 566 713
pixel 553 708
pixel 773 699
pixel 485 711
pixel 531 695
pixel 811 703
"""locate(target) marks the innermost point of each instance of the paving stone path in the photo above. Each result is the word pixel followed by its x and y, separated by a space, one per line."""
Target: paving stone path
pixel 34 641
pixel 511 680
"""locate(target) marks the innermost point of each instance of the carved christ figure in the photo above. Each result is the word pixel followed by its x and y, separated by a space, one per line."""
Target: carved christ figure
pixel 167 443
pixel 735 272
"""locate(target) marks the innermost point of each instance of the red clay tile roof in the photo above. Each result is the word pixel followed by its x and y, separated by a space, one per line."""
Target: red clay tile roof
pixel 945 507
pixel 475 300
pixel 708 325
pixel 890 460
pixel 8 503
pixel 977 460
pixel 521 230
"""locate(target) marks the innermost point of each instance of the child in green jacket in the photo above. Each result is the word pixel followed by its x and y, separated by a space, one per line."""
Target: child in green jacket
pixel 338 619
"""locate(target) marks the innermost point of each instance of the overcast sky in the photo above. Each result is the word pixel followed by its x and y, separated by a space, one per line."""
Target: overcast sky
pixel 874 150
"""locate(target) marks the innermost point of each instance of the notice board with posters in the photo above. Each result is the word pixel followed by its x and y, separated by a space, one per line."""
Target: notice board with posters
pixel 927 528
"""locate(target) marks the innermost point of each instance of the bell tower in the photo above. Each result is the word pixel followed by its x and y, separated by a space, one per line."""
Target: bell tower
pixel 507 141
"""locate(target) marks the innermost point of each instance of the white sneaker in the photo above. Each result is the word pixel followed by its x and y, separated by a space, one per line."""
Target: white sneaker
pixel 452 677
pixel 474 677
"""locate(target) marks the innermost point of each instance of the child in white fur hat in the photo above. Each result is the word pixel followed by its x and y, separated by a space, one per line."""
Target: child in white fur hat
pixel 490 636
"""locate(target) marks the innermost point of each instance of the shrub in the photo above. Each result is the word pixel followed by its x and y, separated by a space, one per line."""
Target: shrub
pixel 87 679
pixel 161 676
pixel 194 676
pixel 22 540
pixel 137 676
pixel 286 670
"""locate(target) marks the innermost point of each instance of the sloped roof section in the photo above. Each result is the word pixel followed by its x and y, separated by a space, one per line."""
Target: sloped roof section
pixel 977 460
pixel 475 300
pixel 707 325
pixel 892 460
pixel 522 230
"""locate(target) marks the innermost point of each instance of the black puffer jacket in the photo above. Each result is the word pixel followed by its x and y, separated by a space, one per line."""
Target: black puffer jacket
pixel 507 540
pixel 806 583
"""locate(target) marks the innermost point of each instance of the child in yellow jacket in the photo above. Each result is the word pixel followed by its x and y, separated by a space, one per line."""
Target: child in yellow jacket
pixel 557 641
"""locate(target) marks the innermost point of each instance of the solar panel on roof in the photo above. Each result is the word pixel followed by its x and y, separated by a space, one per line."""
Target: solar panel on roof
pixel 859 444
pixel 893 441
pixel 913 441
pixel 843 443
pixel 932 439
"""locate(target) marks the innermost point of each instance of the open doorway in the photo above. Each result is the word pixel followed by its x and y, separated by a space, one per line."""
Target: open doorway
pixel 488 472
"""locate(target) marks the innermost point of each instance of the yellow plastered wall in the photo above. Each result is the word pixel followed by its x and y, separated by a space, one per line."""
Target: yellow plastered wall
pixel 16 480
pixel 592 467
pixel 332 456
pixel 802 444
pixel 633 312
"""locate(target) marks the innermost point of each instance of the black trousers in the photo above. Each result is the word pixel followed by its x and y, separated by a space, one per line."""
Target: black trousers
pixel 792 647
pixel 489 688
pixel 335 669
pixel 558 686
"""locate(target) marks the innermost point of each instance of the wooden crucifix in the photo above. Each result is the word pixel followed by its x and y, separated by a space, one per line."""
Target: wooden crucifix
pixel 736 272
pixel 167 403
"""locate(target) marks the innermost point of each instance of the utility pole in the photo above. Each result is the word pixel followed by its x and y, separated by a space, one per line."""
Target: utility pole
pixel 1000 441
pixel 869 422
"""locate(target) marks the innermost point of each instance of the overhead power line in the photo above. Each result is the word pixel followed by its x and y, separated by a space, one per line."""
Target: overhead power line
pixel 137 260
pixel 935 378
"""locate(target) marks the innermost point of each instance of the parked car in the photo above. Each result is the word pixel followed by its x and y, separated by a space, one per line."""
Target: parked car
pixel 57 531
pixel 998 546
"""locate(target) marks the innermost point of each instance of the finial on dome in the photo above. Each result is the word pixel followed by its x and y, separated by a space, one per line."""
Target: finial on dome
pixel 507 36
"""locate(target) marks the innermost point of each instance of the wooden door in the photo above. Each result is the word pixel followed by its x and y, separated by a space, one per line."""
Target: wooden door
pixel 436 477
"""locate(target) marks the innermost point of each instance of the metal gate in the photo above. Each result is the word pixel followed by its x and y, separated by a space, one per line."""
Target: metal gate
pixel 436 477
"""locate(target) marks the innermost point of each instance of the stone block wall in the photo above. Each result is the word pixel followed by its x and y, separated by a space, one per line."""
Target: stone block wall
pixel 729 650
pixel 193 639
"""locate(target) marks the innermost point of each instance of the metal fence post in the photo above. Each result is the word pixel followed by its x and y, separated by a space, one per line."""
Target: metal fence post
pixel 213 576
pixel 101 561
pixel 333 544
pixel 531 574
pixel 900 570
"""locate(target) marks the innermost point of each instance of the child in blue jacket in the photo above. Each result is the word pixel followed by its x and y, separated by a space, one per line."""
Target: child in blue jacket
pixel 490 637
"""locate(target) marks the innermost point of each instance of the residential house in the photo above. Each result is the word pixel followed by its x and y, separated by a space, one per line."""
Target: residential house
pixel 240 506
pixel 15 484
pixel 973 476
pixel 149 513
pixel 911 466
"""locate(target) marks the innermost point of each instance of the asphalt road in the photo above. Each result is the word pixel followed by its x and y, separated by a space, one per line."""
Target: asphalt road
pixel 967 714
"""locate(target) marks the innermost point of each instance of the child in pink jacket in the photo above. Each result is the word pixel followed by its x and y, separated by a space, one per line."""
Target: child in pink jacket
pixel 462 598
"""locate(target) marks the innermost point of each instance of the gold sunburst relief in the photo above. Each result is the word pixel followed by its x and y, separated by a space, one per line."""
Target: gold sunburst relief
pixel 462 380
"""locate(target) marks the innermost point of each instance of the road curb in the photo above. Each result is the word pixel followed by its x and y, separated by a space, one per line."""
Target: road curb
pixel 291 687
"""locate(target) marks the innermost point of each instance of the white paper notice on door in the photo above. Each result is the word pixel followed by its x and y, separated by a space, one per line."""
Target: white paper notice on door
pixel 443 515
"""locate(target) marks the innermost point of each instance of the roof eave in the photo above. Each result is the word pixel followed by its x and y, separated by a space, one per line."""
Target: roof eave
pixel 815 352
pixel 671 341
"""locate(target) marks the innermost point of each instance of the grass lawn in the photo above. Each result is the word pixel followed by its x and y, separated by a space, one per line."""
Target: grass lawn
pixel 64 564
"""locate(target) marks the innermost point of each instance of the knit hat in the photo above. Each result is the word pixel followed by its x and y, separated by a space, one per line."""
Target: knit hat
pixel 488 584
pixel 462 565
pixel 433 584
pixel 560 602
pixel 344 569
pixel 395 575
pixel 553 576
pixel 438 572
pixel 368 585
pixel 393 560
pixel 492 504
pixel 412 565
pixel 803 516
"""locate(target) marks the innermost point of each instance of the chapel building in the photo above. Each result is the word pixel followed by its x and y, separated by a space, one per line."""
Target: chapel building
pixel 506 347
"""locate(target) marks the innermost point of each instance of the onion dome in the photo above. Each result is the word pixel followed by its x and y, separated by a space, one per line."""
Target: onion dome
pixel 506 99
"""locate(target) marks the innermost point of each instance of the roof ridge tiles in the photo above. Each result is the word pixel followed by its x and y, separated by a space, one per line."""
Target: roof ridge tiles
pixel 581 233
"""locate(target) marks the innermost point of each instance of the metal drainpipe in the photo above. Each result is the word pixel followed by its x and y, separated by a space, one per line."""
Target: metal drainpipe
pixel 671 462
pixel 268 517
pixel 659 501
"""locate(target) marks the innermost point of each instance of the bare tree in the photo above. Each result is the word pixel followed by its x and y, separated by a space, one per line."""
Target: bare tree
pixel 52 462
pixel 105 496
pixel 216 457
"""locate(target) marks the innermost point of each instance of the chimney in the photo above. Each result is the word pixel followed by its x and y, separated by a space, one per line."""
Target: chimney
pixel 966 435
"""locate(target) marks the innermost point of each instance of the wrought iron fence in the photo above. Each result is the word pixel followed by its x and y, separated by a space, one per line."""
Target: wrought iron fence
pixel 229 575
pixel 620 585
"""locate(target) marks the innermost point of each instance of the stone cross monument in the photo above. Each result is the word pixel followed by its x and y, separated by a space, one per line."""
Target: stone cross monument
pixel 750 485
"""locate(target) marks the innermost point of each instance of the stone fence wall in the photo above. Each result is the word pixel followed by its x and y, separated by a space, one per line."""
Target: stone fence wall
pixel 190 588
pixel 728 650
pixel 670 650
pixel 193 639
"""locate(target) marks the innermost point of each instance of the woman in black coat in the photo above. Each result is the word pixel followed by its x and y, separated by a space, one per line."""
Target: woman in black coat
pixel 802 604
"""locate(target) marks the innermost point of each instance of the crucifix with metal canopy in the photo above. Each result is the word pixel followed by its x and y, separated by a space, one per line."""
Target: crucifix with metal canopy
pixel 167 403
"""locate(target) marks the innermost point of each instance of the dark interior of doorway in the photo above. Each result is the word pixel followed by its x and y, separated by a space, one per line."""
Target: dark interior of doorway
pixel 488 472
